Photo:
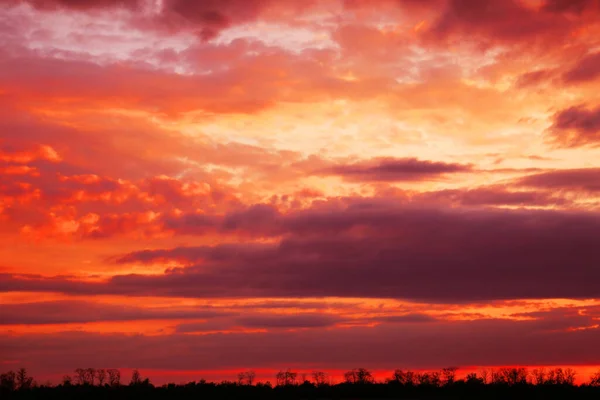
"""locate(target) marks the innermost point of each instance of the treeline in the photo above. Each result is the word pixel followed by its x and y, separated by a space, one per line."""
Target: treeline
pixel 91 383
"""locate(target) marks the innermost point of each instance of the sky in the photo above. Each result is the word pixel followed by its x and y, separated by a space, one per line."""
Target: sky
pixel 197 188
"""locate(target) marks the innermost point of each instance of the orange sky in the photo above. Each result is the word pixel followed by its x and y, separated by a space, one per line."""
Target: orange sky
pixel 197 186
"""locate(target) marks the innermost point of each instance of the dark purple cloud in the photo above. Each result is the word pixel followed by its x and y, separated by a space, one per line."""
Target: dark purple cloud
pixel 380 251
pixel 82 311
pixel 394 169
pixel 585 179
pixel 491 196
pixel 562 318
pixel 576 126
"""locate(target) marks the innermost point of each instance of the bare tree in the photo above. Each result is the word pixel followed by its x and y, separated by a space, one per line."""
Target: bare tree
pixel 406 378
pixel 429 378
pixel 246 378
pixel 511 376
pixel 67 380
pixel 538 376
pixel 319 378
pixel 80 376
pixel 558 376
pixel 473 379
pixel 8 381
pixel 569 376
pixel 398 376
pixel 90 376
pixel 250 377
pixel 280 378
pixel 359 376
pixel 485 374
pixel 136 378
pixel 114 377
pixel 449 375
pixel 423 378
pixel 286 378
pixel 436 378
pixel 290 377
pixel 595 379
pixel 101 376
pixel 23 380
pixel 303 377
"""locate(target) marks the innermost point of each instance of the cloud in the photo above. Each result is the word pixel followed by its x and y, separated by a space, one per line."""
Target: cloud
pixel 212 16
pixel 80 5
pixel 306 320
pixel 394 169
pixel 83 311
pixel 576 126
pixel 215 325
pixel 569 6
pixel 378 251
pixel 533 78
pixel 494 21
pixel 407 318
pixel 490 196
pixel 584 179
pixel 562 318
pixel 386 346
pixel 586 69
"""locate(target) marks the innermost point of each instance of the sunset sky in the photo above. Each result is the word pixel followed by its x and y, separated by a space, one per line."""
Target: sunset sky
pixel 196 188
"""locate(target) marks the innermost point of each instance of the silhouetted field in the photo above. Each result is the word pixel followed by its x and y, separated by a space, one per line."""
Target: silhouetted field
pixel 506 383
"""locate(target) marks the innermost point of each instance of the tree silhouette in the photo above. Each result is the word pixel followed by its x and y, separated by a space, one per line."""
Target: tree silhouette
pixel 510 376
pixel 67 380
pixel 595 379
pixel 114 377
pixel 358 376
pixel 136 378
pixel 319 378
pixel 23 380
pixel 513 383
pixel 241 377
pixel 101 376
pixel 449 375
pixel 246 378
pixel 286 378
pixel 473 379
pixel 485 375
pixel 538 376
pixel 8 381
pixel 90 376
pixel 405 378
pixel 80 376
pixel 280 378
